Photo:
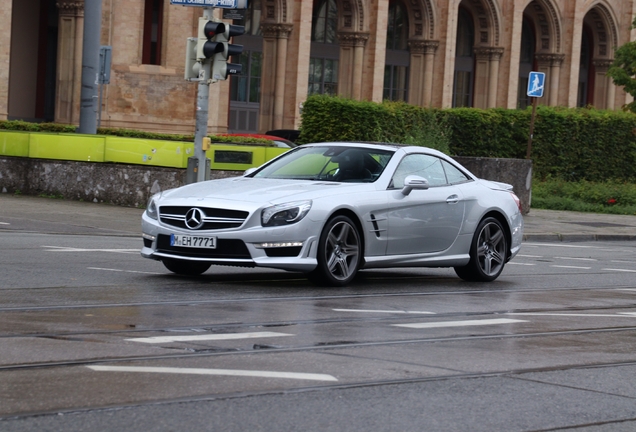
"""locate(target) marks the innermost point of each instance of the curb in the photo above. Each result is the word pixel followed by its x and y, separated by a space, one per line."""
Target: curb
pixel 577 237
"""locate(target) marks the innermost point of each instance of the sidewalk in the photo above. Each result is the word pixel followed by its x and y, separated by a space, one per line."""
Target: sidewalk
pixel 27 213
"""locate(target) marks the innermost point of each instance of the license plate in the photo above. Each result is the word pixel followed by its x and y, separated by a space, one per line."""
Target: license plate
pixel 193 241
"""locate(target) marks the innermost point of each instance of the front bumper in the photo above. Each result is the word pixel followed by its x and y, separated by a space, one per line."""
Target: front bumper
pixel 239 247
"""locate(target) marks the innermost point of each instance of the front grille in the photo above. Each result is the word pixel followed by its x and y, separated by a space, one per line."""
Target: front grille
pixel 225 248
pixel 213 218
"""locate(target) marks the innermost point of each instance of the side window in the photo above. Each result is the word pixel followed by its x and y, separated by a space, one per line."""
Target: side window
pixel 421 165
pixel 454 175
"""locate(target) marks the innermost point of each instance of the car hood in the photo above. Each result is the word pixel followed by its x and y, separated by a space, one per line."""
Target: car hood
pixel 255 190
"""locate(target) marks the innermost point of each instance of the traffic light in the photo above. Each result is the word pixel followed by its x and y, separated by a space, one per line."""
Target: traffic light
pixel 213 43
pixel 192 65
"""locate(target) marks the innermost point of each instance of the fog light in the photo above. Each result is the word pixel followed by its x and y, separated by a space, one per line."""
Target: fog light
pixel 148 236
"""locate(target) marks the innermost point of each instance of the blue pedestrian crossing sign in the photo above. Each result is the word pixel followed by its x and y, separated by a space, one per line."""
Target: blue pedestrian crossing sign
pixel 536 82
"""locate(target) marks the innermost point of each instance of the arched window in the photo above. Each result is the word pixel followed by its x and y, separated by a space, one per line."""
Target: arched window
pixel 325 52
pixel 526 63
pixel 464 60
pixel 397 55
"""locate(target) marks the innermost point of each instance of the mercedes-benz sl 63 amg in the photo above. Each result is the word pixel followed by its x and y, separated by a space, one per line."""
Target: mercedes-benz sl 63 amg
pixel 331 209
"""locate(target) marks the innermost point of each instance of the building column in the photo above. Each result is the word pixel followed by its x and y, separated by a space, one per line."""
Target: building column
pixel 493 75
pixel 275 37
pixel 486 76
pixel 282 36
pixel 421 71
pixel 604 89
pixel 351 63
pixel 550 64
pixel 69 61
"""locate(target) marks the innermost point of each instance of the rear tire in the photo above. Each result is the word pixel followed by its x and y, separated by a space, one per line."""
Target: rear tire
pixel 339 253
pixel 488 253
pixel 186 268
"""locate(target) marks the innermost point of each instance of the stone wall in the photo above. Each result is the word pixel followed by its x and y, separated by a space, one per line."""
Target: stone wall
pixel 517 172
pixel 132 185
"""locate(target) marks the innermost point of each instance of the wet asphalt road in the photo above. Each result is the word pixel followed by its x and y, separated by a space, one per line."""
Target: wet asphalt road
pixel 93 337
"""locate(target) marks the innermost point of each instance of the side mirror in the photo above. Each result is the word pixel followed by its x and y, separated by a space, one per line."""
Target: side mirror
pixel 414 182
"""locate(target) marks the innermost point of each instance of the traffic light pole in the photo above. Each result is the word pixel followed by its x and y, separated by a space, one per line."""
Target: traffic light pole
pixel 203 96
pixel 90 66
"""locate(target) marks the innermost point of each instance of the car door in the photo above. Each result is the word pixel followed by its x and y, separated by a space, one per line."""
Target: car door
pixel 424 221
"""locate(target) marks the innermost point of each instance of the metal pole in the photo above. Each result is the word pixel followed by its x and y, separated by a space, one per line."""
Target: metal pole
pixel 203 96
pixel 90 66
pixel 534 113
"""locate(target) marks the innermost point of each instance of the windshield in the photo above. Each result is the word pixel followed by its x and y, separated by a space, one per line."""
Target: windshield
pixel 328 163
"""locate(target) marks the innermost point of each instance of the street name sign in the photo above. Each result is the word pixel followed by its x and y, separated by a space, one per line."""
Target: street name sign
pixel 227 4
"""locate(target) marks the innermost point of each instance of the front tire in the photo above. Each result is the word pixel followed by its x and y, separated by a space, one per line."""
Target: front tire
pixel 488 253
pixel 339 253
pixel 186 268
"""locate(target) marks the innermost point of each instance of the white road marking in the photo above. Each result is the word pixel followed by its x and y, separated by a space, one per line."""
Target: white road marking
pixel 620 270
pixel 221 372
pixel 5 223
pixel 467 323
pixel 530 256
pixel 70 249
pixel 208 337
pixel 623 262
pixel 571 267
pixel 633 314
pixel 571 314
pixel 122 271
pixel 384 311
pixel 522 264
pixel 576 259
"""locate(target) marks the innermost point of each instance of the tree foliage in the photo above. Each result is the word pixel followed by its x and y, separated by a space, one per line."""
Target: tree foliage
pixel 623 69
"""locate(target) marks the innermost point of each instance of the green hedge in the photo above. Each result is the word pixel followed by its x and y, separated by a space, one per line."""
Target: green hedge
pixel 568 144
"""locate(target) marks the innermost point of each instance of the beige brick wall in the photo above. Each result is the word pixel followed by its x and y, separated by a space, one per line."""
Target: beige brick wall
pixel 158 98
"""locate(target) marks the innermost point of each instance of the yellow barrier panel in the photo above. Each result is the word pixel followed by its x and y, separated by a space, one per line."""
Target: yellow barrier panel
pixel 145 151
pixel 74 147
pixel 14 143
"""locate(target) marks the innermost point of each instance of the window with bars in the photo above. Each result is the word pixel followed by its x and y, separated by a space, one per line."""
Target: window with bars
pixel 396 69
pixel 325 52
pixel 246 86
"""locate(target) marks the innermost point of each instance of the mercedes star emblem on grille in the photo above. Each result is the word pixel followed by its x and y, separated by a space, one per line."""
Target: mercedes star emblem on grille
pixel 194 218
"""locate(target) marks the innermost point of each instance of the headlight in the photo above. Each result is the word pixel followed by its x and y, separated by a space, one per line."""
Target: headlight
pixel 151 208
pixel 284 214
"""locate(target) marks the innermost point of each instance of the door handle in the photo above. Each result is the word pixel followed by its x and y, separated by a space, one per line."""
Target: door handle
pixel 453 199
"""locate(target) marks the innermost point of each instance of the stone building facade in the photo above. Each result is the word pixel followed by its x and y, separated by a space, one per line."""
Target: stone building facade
pixel 439 53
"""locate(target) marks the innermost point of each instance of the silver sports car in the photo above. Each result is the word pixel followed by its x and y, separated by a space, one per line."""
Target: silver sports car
pixel 331 209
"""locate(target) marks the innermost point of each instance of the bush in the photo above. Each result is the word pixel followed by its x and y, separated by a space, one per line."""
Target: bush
pixel 326 119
